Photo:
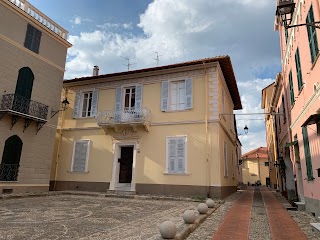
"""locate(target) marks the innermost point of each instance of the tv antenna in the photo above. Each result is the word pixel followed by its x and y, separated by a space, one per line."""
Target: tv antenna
pixel 157 58
pixel 128 63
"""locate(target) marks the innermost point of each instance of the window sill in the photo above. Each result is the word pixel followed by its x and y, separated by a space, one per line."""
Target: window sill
pixel 173 111
pixel 84 117
pixel 180 174
pixel 226 176
pixel 78 172
pixel 9 181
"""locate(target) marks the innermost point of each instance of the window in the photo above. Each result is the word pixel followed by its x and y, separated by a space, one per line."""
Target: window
pixel 284 109
pixel 307 153
pixel 86 104
pixel 33 38
pixel 291 88
pixel 286 34
pixel 129 98
pixel 80 156
pixel 232 162
pixel 298 67
pixel 176 95
pixel 312 36
pixel 225 160
pixel 266 164
pixel 176 154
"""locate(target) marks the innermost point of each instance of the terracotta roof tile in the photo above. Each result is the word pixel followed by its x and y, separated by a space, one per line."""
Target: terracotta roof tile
pixel 261 152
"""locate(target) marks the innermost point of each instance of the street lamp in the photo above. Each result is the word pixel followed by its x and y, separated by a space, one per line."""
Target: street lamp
pixel 246 129
pixel 285 11
pixel 65 104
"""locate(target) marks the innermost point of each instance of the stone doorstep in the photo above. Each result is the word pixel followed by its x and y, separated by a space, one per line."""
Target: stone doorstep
pixel 316 226
pixel 301 206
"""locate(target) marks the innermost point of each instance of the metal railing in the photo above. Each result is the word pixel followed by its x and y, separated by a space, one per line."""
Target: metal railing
pixel 124 116
pixel 24 105
pixel 9 172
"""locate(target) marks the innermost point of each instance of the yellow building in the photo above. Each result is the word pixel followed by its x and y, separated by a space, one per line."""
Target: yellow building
pixel 33 53
pixel 255 167
pixel 163 130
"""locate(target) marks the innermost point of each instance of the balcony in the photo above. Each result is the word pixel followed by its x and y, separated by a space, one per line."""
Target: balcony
pixel 121 119
pixel 9 172
pixel 20 107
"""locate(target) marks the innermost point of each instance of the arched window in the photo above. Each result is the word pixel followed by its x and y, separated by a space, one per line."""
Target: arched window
pixel 9 166
pixel 23 91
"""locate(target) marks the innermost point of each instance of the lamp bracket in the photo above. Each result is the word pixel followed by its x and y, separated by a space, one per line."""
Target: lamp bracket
pixel 312 24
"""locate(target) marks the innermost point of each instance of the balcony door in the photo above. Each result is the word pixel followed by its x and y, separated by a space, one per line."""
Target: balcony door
pixel 129 103
pixel 23 90
pixel 11 159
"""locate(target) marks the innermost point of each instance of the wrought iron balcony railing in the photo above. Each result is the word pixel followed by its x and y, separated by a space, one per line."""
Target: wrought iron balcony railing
pixel 9 172
pixel 22 105
pixel 110 117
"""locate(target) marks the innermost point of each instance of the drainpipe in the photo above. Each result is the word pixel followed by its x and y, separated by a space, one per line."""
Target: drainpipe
pixel 208 174
pixel 61 123
pixel 277 148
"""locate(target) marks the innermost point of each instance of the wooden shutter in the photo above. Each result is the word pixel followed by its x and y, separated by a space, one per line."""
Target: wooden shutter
pixel 80 156
pixel 189 100
pixel 298 68
pixel 172 154
pixel 29 36
pixel 307 153
pixel 76 109
pixel 180 154
pixel 36 40
pixel 94 107
pixel 138 97
pixel 291 88
pixel 165 96
pixel 118 104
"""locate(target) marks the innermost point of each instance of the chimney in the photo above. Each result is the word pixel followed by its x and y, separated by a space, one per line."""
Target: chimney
pixel 95 71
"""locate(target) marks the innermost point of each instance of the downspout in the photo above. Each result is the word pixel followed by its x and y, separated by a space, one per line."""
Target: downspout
pixel 208 174
pixel 276 147
pixel 61 123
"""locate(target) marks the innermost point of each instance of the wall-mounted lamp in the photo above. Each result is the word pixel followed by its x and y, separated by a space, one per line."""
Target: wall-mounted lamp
pixel 285 10
pixel 65 104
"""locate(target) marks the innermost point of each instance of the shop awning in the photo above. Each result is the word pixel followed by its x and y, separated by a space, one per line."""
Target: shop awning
pixel 313 119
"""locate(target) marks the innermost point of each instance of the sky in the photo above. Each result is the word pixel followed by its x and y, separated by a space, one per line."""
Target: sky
pixel 104 33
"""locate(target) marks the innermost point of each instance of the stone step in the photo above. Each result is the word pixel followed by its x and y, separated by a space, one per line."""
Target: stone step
pixel 301 206
pixel 316 226
pixel 120 192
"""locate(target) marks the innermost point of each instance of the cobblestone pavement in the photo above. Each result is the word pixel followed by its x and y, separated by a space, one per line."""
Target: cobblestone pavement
pixel 87 217
pixel 210 226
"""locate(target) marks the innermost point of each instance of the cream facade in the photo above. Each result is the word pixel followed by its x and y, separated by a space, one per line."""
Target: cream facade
pixel 33 54
pixel 165 130
pixel 256 167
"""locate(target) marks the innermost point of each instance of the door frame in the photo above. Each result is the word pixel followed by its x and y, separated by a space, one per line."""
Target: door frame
pixel 116 165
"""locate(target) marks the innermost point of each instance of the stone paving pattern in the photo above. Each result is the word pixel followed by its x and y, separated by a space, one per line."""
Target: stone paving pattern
pixel 87 217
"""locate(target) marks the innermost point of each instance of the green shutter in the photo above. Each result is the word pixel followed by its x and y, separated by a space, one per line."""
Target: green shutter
pixel 33 38
pixel 307 153
pixel 298 67
pixel 291 88
pixel 283 109
pixel 312 36
pixel 286 34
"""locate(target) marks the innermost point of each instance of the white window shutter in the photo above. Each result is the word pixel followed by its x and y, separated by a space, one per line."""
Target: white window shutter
pixel 172 154
pixel 138 100
pixel 80 156
pixel 94 107
pixel 165 96
pixel 118 105
pixel 181 154
pixel 76 109
pixel 189 88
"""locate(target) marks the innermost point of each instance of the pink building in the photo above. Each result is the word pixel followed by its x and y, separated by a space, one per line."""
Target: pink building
pixel 299 139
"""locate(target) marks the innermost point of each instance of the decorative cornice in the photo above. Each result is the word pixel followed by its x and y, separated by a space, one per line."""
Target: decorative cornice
pixel 31 53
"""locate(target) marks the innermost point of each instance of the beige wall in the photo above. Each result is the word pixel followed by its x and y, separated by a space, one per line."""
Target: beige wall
pixel 48 70
pixel 254 170
pixel 204 140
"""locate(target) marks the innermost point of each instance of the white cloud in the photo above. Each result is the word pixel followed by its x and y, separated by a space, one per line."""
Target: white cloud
pixel 187 30
pixel 77 20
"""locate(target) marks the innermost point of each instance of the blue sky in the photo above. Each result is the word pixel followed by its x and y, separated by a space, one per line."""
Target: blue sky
pixel 103 32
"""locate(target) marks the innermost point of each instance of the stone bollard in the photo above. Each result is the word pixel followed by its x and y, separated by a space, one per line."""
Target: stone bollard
pixel 168 230
pixel 202 208
pixel 210 203
pixel 189 216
